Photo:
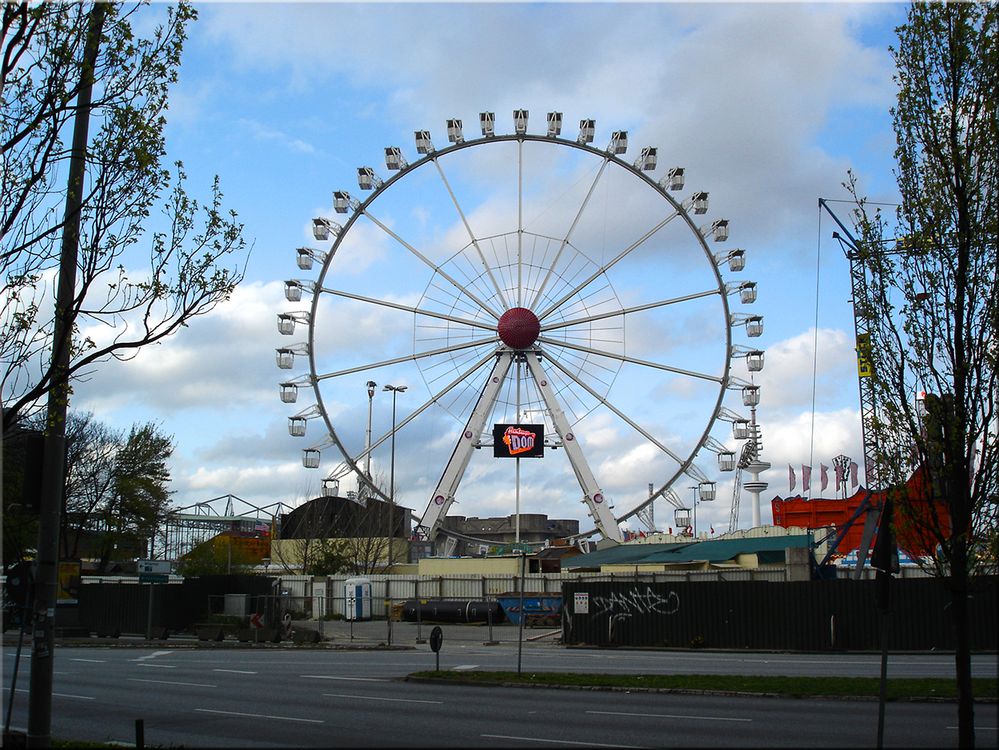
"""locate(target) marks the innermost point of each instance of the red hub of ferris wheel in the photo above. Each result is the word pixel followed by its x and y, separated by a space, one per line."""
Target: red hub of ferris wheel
pixel 519 328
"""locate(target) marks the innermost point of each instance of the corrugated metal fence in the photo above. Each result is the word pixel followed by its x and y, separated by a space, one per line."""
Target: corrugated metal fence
pixel 327 595
pixel 807 615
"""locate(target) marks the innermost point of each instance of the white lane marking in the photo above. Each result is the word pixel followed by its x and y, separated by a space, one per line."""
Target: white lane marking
pixel 551 742
pixel 988 729
pixel 375 698
pixel 668 716
pixel 91 661
pixel 259 716
pixel 348 679
pixel 234 671
pixel 464 667
pixel 158 666
pixel 152 655
pixel 58 695
pixel 165 682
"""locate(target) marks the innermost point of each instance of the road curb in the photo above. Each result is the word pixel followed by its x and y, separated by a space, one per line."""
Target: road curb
pixel 679 691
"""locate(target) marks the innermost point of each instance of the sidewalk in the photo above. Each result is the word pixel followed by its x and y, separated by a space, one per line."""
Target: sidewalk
pixel 409 633
pixel 335 634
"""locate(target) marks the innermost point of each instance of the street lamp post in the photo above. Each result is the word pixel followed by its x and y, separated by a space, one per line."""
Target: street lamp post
pixel 694 510
pixel 395 389
pixel 367 444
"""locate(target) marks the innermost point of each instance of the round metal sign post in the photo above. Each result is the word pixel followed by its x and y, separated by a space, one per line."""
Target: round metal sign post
pixel 436 640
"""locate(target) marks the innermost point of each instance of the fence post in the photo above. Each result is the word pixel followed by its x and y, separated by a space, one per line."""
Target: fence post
pixel 388 608
pixel 419 613
pixel 149 615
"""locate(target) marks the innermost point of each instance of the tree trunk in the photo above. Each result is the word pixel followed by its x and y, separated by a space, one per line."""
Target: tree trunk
pixel 962 645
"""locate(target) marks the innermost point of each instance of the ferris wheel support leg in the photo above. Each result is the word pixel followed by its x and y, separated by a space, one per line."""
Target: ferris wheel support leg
pixel 592 494
pixel 443 496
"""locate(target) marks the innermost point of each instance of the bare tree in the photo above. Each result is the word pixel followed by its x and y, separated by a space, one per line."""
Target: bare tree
pixel 330 535
pixel 309 547
pixel 127 296
pixel 933 302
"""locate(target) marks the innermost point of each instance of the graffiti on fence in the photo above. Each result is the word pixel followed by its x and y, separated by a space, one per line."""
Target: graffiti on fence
pixel 635 601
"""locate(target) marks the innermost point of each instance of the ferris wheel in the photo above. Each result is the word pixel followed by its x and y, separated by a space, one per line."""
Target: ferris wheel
pixel 537 295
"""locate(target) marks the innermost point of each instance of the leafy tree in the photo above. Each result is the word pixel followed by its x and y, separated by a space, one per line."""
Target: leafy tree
pixel 133 297
pixel 216 556
pixel 20 520
pixel 933 300
pixel 116 488
pixel 91 449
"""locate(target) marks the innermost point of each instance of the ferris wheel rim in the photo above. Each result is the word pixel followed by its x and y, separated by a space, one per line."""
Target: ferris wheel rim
pixel 609 159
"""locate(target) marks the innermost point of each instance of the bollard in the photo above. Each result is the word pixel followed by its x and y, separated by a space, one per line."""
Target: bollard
pixel 388 619
pixel 489 619
pixel 140 735
pixel 419 621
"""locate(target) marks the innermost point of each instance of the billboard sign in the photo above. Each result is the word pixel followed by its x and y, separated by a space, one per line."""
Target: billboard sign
pixel 519 440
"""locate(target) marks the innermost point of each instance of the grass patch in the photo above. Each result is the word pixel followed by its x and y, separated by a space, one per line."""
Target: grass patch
pixel 791 686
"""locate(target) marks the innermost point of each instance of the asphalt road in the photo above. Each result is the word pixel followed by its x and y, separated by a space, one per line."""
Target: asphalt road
pixel 286 697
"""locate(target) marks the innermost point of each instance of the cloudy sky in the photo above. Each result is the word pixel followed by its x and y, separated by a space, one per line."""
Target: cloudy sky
pixel 766 106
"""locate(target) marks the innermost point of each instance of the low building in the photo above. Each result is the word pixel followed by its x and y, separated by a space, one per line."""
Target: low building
pixel 494 533
pixel 777 550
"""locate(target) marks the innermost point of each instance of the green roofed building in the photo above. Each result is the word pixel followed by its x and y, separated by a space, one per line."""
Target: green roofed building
pixel 712 554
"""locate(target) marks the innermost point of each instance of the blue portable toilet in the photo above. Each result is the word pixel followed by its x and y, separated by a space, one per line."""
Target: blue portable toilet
pixel 357 599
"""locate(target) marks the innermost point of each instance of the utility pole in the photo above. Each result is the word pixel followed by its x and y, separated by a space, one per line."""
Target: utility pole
pixel 54 477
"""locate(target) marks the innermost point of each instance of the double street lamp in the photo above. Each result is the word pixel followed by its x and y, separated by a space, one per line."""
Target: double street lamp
pixel 395 390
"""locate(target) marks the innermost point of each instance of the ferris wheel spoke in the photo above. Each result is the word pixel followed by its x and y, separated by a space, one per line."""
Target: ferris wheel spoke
pixel 520 222
pixel 407 308
pixel 607 266
pixel 630 360
pixel 409 358
pixel 427 404
pixel 593 496
pixel 568 235
pixel 627 310
pixel 445 490
pixel 471 235
pixel 624 417
pixel 437 269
